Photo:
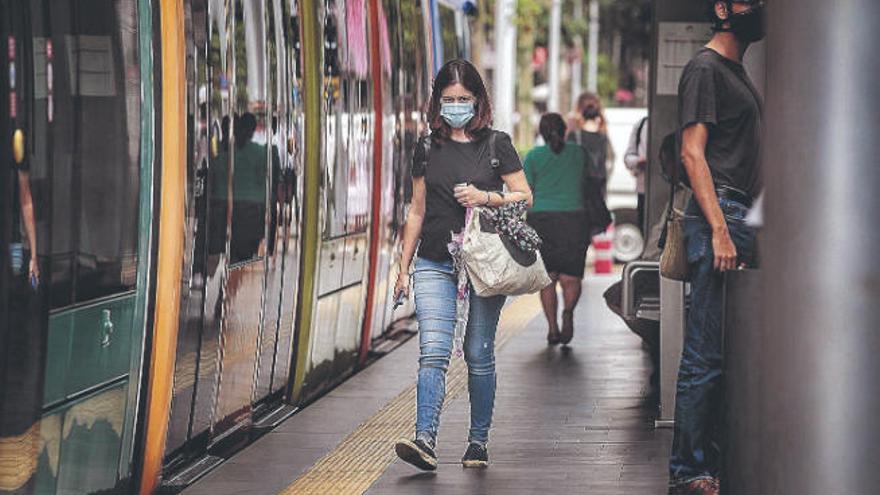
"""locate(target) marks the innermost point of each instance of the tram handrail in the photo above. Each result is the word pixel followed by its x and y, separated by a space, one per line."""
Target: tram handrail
pixel 629 273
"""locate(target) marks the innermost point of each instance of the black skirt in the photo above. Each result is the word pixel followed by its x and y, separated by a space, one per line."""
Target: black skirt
pixel 565 236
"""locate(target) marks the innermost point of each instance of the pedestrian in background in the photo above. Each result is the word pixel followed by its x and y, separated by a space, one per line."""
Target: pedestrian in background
pixel 555 172
pixel 636 161
pixel 720 123
pixel 589 129
pixel 451 172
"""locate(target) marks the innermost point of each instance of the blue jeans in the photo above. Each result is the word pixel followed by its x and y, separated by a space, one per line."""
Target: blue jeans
pixel 435 287
pixel 699 398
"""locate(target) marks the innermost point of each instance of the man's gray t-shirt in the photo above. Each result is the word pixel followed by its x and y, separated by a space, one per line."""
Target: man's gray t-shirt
pixel 716 91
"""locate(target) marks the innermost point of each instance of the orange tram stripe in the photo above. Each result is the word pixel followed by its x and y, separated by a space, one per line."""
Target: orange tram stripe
pixel 171 223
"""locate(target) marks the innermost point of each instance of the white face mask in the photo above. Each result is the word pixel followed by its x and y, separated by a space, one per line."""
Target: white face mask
pixel 457 115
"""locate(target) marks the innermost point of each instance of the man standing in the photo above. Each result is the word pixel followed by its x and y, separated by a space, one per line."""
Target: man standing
pixel 720 122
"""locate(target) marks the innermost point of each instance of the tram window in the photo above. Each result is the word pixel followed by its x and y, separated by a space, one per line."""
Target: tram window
pixel 361 107
pixel 250 154
pixel 96 134
pixel 337 94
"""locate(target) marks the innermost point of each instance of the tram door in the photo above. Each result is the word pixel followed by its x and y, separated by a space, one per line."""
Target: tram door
pixel 198 339
pixel 75 104
pixel 241 250
pixel 251 169
pixel 284 135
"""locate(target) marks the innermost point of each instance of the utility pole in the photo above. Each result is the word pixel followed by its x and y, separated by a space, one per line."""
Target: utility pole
pixel 593 56
pixel 577 66
pixel 553 79
pixel 505 64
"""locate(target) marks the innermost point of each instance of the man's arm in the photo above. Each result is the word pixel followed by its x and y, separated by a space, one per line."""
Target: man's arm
pixel 693 154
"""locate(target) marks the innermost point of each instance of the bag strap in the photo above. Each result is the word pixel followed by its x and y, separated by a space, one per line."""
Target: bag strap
pixel 426 143
pixel 675 178
pixel 639 132
pixel 493 158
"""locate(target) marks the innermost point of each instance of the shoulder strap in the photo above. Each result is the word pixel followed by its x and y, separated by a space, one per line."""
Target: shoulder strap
pixel 426 143
pixel 493 158
pixel 675 178
pixel 639 132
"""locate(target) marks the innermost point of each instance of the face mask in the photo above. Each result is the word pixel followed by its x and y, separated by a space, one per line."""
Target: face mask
pixel 748 26
pixel 457 115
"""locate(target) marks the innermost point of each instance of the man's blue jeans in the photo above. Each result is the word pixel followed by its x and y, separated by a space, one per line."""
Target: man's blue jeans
pixel 699 397
pixel 435 288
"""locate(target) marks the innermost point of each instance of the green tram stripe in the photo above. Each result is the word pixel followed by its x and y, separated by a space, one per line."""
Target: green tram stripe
pixel 145 224
pixel 312 55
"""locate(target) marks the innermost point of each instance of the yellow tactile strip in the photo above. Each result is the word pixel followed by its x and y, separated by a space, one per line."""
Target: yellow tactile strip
pixel 359 460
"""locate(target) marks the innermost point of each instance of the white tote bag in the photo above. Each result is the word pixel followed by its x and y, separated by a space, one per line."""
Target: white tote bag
pixel 497 267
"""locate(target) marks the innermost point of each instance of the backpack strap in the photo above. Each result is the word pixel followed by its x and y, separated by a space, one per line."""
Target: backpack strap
pixel 493 158
pixel 426 143
pixel 639 132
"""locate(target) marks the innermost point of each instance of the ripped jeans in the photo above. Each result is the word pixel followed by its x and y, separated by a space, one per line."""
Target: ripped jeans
pixel 435 287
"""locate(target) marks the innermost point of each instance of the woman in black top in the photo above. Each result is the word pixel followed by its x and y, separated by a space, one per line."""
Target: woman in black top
pixel 590 130
pixel 452 172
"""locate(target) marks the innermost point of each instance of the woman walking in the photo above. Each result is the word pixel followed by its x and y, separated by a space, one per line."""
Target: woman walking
pixel 589 129
pixel 555 172
pixel 452 172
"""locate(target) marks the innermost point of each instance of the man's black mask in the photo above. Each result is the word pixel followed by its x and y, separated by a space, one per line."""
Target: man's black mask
pixel 748 26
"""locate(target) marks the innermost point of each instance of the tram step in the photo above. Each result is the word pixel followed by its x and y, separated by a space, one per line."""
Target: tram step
pixel 275 418
pixel 191 474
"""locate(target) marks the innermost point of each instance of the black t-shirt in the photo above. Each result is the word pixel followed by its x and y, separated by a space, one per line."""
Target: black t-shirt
pixel 595 145
pixel 716 91
pixel 450 163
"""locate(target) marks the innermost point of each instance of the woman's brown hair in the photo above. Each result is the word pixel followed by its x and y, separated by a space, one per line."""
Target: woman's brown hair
pixel 462 72
pixel 588 107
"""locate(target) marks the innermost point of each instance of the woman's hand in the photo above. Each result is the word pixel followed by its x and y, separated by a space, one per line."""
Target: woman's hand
pixel 401 288
pixel 469 196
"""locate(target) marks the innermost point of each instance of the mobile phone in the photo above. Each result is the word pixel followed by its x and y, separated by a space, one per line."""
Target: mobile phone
pixel 398 301
pixel 35 281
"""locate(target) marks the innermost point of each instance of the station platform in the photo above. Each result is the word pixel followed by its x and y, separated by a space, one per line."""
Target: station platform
pixel 575 420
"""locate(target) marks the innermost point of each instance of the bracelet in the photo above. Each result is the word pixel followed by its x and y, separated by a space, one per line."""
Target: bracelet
pixel 488 199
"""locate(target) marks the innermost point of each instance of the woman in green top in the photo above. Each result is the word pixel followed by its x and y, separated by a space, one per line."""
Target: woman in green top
pixel 555 172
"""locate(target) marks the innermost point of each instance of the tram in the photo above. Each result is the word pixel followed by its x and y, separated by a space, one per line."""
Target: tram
pixel 218 187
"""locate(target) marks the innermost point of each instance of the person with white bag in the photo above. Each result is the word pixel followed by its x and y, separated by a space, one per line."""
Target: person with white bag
pixel 454 173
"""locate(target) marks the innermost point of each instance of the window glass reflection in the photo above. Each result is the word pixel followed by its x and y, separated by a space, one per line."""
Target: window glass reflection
pixel 96 166
pixel 250 155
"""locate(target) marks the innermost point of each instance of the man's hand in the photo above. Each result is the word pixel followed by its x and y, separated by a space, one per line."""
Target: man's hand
pixel 725 251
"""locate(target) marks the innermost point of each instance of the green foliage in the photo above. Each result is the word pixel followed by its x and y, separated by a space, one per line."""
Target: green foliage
pixel 607 79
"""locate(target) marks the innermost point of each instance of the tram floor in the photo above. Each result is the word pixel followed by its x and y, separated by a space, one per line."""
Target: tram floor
pixel 576 420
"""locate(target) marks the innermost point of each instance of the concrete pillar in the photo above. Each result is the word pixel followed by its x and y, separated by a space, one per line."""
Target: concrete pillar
pixel 820 375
